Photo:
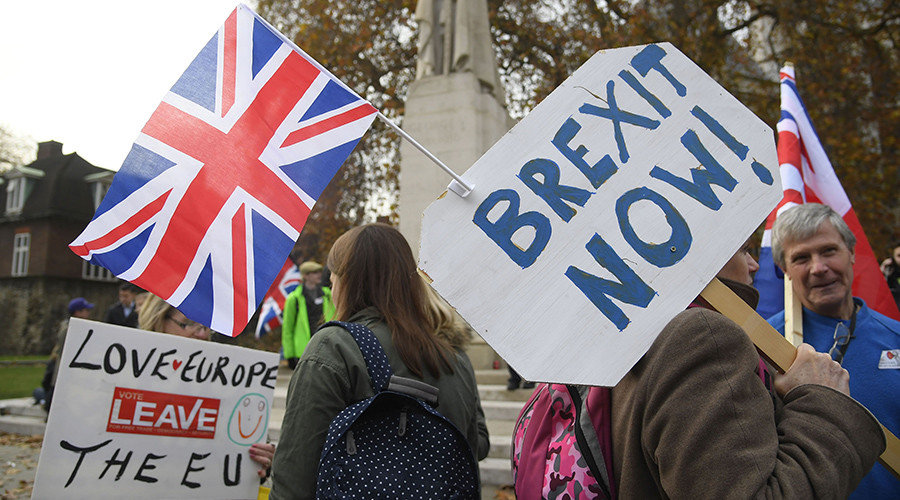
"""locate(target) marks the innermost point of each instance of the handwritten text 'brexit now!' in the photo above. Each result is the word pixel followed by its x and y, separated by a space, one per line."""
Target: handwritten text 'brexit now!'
pixel 541 176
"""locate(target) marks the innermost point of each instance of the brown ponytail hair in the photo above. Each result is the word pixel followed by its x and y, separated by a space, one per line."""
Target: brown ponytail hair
pixel 375 268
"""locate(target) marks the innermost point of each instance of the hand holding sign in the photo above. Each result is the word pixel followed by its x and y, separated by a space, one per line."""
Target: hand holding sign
pixel 602 214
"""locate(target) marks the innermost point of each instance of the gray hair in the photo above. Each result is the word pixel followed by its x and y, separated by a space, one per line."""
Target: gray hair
pixel 803 221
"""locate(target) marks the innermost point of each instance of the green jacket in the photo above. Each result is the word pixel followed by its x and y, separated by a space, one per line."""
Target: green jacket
pixel 296 330
pixel 330 376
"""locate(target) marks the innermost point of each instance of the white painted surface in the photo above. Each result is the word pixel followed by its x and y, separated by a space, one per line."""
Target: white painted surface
pixel 84 406
pixel 534 316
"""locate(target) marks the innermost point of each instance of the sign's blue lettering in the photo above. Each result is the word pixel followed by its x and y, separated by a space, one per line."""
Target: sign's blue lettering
pixel 542 176
pixel 716 128
pixel 617 117
pixel 598 173
pixel 664 254
pixel 511 221
pixel 712 173
pixel 642 91
pixel 650 58
pixel 550 190
pixel 762 173
pixel 630 288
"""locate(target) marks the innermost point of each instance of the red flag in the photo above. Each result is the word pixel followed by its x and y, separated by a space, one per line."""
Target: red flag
pixel 808 177
pixel 270 314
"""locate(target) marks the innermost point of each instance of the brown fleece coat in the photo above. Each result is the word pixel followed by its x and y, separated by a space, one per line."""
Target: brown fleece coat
pixel 692 419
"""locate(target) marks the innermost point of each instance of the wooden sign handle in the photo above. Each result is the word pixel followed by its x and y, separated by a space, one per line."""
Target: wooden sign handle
pixel 773 346
pixel 777 350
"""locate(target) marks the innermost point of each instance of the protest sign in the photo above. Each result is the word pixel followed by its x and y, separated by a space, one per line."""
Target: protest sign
pixel 602 214
pixel 138 414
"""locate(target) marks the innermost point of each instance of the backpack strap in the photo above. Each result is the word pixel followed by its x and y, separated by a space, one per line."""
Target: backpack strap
pixel 531 466
pixel 415 388
pixel 593 431
pixel 377 363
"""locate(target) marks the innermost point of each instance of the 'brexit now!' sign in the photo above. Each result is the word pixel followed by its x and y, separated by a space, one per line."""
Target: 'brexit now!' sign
pixel 602 214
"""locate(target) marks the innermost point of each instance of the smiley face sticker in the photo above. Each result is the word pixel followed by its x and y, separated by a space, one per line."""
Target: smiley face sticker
pixel 249 419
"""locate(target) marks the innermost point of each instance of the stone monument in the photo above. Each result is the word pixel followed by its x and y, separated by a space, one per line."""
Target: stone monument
pixel 455 106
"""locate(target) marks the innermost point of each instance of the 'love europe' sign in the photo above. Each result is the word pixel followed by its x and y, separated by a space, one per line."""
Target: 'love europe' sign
pixel 138 414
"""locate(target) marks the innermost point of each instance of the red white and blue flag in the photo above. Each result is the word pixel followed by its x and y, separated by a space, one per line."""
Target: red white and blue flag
pixel 808 177
pixel 221 179
pixel 270 314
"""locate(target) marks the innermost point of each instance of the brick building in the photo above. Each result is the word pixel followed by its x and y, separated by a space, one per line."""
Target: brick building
pixel 43 207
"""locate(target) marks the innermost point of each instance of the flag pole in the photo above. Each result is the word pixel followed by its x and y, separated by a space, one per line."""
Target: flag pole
pixel 793 314
pixel 793 311
pixel 458 185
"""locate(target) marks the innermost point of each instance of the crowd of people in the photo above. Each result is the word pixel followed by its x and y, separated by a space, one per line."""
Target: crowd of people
pixel 700 415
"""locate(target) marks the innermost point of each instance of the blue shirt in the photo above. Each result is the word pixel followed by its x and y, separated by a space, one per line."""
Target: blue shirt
pixel 878 389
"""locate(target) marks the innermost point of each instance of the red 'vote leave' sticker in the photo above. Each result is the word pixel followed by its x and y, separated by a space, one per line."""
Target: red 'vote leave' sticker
pixel 135 411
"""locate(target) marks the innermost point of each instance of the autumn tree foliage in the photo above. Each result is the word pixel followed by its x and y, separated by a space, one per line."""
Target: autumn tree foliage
pixel 15 149
pixel 845 54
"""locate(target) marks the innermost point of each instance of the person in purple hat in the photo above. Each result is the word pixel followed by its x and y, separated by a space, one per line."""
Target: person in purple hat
pixel 79 307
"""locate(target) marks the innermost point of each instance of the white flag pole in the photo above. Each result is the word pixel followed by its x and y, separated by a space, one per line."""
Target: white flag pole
pixel 458 185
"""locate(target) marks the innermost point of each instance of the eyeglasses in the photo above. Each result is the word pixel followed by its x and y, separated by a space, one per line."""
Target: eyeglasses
pixel 186 324
pixel 842 338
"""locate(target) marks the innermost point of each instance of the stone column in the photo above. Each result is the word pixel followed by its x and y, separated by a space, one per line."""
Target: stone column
pixel 456 109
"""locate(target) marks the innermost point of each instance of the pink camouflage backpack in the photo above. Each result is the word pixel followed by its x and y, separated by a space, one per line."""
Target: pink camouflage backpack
pixel 562 444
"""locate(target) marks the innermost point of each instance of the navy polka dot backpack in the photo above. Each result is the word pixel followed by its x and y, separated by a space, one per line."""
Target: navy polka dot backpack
pixel 394 444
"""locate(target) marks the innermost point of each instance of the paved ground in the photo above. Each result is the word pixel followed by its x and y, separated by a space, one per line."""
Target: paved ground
pixel 18 462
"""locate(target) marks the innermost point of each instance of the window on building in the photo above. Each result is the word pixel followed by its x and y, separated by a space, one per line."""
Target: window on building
pixel 21 246
pixel 99 190
pixel 15 195
pixel 96 273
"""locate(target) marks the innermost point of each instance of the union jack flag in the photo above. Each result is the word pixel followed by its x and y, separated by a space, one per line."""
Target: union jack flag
pixel 273 304
pixel 808 177
pixel 221 179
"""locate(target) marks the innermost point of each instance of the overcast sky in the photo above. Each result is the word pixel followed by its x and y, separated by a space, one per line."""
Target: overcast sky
pixel 89 73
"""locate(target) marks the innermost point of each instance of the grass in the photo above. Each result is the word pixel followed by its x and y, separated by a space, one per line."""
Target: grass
pixel 20 380
pixel 35 357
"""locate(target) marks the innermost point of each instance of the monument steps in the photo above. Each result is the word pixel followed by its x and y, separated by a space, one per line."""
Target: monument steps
pixel 22 416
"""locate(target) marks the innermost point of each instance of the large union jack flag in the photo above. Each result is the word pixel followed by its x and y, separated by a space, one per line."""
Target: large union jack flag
pixel 270 314
pixel 808 177
pixel 221 179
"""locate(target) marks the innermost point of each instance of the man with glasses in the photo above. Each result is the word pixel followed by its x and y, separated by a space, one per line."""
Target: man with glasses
pixel 812 244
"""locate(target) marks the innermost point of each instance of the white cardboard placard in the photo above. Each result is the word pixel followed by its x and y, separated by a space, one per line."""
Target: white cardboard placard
pixel 138 414
pixel 664 175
